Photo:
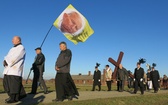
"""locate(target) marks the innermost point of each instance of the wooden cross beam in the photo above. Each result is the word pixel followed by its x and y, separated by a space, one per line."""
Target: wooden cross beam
pixel 116 64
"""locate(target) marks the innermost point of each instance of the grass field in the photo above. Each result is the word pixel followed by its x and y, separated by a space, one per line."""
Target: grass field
pixel 155 99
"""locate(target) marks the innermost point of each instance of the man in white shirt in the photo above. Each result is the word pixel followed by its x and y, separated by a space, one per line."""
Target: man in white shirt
pixel 13 71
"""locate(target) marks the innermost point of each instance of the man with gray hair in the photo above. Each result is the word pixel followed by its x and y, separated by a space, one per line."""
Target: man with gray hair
pixel 65 87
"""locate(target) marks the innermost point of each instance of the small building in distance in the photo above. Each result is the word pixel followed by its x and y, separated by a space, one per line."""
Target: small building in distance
pixel 87 79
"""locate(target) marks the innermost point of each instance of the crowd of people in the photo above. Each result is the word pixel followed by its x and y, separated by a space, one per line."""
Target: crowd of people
pixel 13 72
pixel 65 87
pixel 139 80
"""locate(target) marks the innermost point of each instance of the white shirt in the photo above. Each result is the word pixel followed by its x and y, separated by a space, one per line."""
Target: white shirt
pixel 15 60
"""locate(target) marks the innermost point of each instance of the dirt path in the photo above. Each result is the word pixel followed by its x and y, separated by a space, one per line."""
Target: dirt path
pixel 84 95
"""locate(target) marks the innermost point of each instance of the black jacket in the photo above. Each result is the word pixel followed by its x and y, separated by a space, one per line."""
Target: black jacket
pixel 39 62
pixel 122 74
pixel 97 77
pixel 154 75
pixel 148 76
pixel 63 61
pixel 138 74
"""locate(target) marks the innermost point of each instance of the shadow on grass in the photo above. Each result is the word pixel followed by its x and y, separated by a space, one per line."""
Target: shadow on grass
pixel 31 100
pixel 49 91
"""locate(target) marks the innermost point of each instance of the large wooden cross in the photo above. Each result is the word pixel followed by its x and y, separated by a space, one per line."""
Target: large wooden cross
pixel 116 64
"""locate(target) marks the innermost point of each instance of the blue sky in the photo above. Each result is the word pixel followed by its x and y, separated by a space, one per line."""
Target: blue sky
pixel 139 28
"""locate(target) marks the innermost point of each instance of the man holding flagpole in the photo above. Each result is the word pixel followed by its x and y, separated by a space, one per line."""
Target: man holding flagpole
pixel 38 68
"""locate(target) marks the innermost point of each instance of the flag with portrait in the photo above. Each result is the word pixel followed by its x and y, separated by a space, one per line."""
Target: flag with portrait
pixel 73 25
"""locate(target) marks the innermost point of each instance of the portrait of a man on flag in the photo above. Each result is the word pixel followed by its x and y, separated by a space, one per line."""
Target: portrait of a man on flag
pixel 73 25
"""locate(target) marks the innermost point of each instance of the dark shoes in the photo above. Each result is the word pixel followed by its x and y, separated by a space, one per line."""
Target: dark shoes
pixel 155 91
pixel 136 92
pixel 46 92
pixel 36 93
pixel 10 101
pixel 31 93
pixel 70 98
pixel 120 91
pixel 57 100
pixel 7 99
pixel 133 93
pixel 94 90
pixel 22 96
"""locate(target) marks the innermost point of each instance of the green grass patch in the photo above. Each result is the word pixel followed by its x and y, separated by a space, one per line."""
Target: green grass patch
pixel 154 99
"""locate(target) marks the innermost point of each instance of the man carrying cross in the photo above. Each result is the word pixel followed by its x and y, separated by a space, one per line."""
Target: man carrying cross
pixel 122 75
pixel 116 64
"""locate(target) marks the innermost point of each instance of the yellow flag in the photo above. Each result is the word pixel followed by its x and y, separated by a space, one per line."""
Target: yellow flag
pixel 73 25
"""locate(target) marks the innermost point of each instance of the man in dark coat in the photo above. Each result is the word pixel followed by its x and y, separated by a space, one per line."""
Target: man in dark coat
pixel 96 78
pixel 65 87
pixel 155 77
pixel 138 78
pixel 122 75
pixel 38 69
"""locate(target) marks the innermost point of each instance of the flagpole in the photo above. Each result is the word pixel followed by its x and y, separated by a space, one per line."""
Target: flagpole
pixel 46 36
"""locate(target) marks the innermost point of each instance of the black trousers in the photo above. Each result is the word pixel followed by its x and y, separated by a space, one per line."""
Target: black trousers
pixel 147 86
pixel 94 85
pixel 64 86
pixel 121 85
pixel 13 87
pixel 139 84
pixel 38 77
pixel 155 85
pixel 118 85
pixel 108 85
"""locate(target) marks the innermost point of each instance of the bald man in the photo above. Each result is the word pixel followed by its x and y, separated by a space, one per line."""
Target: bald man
pixel 13 71
pixel 122 74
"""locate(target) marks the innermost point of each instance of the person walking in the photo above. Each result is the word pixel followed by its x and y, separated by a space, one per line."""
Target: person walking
pixel 155 77
pixel 122 75
pixel 108 75
pixel 165 79
pixel 38 68
pixel 138 78
pixel 13 71
pixel 64 85
pixel 96 78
